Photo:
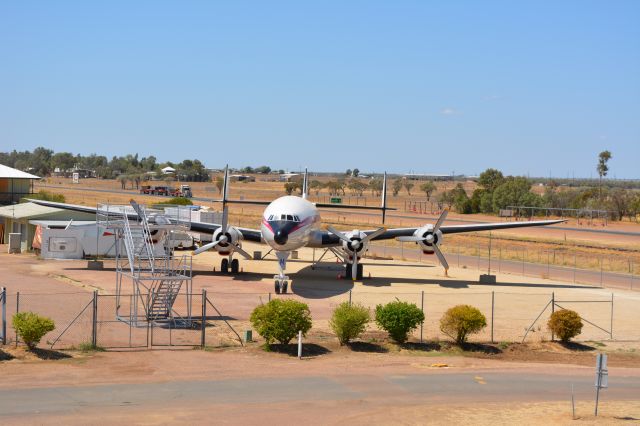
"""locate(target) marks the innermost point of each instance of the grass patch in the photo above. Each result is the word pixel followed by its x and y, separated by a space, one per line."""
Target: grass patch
pixel 90 347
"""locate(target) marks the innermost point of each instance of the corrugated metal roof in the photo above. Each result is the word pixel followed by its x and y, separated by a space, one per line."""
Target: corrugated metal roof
pixel 26 210
pixel 11 173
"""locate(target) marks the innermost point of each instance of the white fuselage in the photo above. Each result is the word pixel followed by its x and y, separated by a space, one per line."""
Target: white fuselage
pixel 290 223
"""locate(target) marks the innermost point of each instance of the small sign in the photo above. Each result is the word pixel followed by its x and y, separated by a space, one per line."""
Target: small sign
pixel 602 374
pixel 336 200
pixel 76 177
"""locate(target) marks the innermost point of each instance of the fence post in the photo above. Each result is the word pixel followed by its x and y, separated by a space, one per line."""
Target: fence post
pixel 553 309
pixel 350 297
pixel 611 325
pixel 493 294
pixel 422 309
pixel 631 273
pixel 600 272
pixel 94 320
pixel 203 321
pixel 4 316
pixel 575 266
pixel 17 310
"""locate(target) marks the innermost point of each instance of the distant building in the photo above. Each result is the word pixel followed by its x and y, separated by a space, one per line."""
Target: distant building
pixel 242 178
pixel 289 177
pixel 168 170
pixel 15 219
pixel 424 176
pixel 14 184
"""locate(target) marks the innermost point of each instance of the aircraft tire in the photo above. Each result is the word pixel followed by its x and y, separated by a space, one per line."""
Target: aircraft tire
pixel 224 266
pixel 235 266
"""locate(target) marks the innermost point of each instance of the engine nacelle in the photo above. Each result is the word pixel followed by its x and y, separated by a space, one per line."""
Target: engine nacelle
pixel 227 241
pixel 428 238
pixel 357 245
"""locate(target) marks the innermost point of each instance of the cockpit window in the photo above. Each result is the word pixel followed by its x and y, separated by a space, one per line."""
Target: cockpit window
pixel 289 218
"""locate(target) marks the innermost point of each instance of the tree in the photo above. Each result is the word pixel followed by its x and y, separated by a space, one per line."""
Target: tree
pixel 603 168
pixel 566 324
pixel 348 172
pixel 408 185
pixel 316 185
pixel 490 179
pixel 123 181
pixel 428 188
pixel 375 185
pixel 515 191
pixel 355 172
pixel 219 182
pixel 397 186
pixel 289 187
pixel 356 187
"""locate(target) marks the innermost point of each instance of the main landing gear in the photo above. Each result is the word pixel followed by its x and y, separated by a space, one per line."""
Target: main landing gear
pixel 230 263
pixel 348 272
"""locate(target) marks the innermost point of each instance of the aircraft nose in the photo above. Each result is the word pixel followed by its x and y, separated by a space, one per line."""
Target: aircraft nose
pixel 280 237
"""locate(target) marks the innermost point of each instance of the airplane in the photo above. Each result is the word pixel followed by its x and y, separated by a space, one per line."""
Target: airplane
pixel 291 222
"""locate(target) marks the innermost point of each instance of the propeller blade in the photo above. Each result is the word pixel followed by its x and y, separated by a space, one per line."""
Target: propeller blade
pixel 205 247
pixel 411 238
pixel 243 253
pixel 441 257
pixel 354 267
pixel 338 234
pixel 374 234
pixel 441 219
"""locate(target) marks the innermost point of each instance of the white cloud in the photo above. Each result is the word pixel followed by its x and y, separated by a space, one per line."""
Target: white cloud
pixel 449 111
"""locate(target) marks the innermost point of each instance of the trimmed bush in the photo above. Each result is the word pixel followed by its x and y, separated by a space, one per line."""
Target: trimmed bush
pixel 31 327
pixel 349 321
pixel 280 320
pixel 399 319
pixel 565 324
pixel 461 321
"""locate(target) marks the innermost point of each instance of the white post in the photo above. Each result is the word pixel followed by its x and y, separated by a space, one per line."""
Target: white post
pixel 300 344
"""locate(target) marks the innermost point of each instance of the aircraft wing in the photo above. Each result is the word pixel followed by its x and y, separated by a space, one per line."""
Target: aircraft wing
pixel 329 239
pixel 248 234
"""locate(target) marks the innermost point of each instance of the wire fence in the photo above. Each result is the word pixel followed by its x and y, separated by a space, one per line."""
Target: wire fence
pixel 217 319
pixel 619 272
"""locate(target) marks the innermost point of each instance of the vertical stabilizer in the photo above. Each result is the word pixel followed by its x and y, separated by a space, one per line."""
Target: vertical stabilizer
pixel 305 184
pixel 384 197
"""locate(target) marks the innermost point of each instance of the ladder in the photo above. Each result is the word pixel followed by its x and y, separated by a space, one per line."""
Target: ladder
pixel 163 297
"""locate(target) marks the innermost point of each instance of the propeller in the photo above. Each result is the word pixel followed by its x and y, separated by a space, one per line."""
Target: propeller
pixel 430 239
pixel 355 244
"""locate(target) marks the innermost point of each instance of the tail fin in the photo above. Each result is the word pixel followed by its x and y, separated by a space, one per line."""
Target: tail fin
pixel 305 184
pixel 384 197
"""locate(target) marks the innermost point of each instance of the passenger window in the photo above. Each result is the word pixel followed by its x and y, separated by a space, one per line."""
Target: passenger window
pixel 296 218
pixel 290 218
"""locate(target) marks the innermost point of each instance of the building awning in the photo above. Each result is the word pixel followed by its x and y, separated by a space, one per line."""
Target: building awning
pixel 11 173
pixel 26 211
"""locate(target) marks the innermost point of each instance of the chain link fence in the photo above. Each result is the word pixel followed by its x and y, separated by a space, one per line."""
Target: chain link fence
pixel 618 272
pixel 218 319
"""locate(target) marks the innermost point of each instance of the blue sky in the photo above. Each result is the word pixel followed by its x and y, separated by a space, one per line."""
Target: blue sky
pixel 534 88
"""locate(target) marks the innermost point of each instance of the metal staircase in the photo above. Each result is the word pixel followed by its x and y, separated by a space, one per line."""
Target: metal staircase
pixel 162 299
pixel 157 277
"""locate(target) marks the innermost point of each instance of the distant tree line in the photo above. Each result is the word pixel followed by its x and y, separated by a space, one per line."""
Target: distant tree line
pixel 43 162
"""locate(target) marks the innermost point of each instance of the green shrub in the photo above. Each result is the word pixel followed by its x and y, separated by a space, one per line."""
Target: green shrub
pixel 177 201
pixel 349 321
pixel 45 196
pixel 399 319
pixel 280 320
pixel 461 321
pixel 565 324
pixel 31 327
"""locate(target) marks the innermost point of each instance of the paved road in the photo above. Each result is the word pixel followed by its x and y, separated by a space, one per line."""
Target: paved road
pixel 436 387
